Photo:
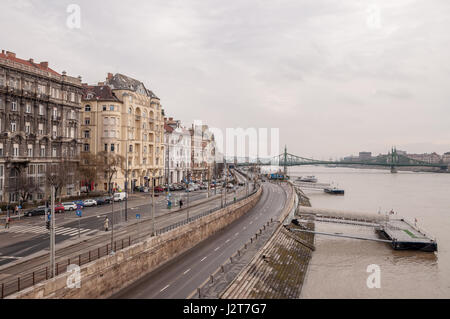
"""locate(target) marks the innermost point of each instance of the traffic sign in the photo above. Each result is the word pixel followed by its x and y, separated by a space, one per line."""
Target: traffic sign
pixel 138 216
pixel 79 213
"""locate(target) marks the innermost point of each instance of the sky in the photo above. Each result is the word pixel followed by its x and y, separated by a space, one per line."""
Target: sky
pixel 336 77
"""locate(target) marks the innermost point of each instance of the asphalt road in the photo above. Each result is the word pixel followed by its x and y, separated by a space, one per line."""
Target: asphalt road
pixel 29 235
pixel 179 278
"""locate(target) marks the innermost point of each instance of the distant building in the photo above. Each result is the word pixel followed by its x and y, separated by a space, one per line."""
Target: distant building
pixel 432 158
pixel 177 141
pixel 446 158
pixel 365 156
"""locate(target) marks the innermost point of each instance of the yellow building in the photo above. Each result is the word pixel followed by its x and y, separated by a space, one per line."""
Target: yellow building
pixel 123 118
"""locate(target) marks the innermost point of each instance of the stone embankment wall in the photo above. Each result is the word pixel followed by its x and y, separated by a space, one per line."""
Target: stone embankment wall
pixel 278 270
pixel 108 275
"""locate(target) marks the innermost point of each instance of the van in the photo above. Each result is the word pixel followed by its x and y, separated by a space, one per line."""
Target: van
pixel 118 197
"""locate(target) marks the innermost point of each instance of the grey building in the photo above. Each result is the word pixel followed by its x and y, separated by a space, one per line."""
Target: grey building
pixel 39 127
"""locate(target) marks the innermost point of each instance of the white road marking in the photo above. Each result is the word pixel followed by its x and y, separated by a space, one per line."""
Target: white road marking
pixel 164 288
pixel 217 249
pixel 251 222
pixel 237 234
pixel 187 271
pixel 203 258
pixel 244 228
pixel 227 241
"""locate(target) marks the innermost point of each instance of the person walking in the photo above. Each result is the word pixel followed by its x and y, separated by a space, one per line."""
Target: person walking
pixel 181 204
pixel 106 224
pixel 7 221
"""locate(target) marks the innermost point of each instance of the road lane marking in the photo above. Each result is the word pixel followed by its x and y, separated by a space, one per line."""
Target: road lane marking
pixel 244 228
pixel 164 288
pixel 251 222
pixel 217 249
pixel 237 234
pixel 203 258
pixel 187 271
pixel 227 241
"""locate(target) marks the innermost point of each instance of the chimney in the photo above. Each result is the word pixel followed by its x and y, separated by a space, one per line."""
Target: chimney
pixel 3 51
pixel 10 54
pixel 110 75
pixel 44 64
pixel 170 119
pixel 31 60
pixel 64 73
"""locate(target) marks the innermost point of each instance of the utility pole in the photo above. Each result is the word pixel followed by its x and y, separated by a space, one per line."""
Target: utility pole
pixel 209 180
pixel 112 226
pixel 226 181
pixel 126 184
pixel 52 233
pixel 153 206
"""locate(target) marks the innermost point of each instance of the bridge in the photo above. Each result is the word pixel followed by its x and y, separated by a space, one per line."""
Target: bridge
pixel 392 160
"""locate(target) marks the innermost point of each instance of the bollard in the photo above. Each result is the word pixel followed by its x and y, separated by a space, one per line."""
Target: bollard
pixel 33 278
pixel 18 283
pixel 68 261
pixel 231 259
pixel 198 289
pixel 89 256
pixel 46 273
pixel 251 240
pixel 239 253
pixel 245 246
pixel 79 260
pixel 98 253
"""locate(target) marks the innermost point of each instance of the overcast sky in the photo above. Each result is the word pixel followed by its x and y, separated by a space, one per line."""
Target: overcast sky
pixel 337 77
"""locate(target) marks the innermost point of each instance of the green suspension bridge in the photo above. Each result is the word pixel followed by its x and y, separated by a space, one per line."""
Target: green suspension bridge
pixel 392 160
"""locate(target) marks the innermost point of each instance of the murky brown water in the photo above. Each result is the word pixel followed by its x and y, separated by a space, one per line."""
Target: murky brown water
pixel 338 267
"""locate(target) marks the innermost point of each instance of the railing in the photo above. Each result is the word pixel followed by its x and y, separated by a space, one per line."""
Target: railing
pixel 43 273
pixel 30 279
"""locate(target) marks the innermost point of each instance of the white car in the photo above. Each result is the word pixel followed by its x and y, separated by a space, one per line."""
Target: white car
pixel 69 206
pixel 118 197
pixel 90 202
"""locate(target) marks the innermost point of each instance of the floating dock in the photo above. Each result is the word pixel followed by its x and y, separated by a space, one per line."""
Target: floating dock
pixel 406 236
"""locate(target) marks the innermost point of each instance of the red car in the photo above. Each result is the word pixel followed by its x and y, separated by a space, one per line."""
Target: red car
pixel 159 189
pixel 59 208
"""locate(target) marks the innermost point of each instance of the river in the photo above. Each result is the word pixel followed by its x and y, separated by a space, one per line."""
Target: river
pixel 338 268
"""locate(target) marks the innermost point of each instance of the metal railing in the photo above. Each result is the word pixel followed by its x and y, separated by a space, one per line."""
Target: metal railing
pixel 43 272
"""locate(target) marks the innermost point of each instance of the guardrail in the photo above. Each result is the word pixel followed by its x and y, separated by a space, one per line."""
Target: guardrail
pixel 42 273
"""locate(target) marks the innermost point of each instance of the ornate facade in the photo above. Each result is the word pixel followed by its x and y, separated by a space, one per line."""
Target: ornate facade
pixel 39 126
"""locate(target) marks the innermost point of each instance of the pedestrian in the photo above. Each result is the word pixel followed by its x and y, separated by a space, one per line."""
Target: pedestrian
pixel 17 210
pixel 181 204
pixel 7 221
pixel 106 224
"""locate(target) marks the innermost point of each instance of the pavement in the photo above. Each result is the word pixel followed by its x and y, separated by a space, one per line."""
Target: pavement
pixel 178 278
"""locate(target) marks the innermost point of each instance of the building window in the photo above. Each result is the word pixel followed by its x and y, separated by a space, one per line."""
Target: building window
pixel 30 151
pixel 54 131
pixel 112 148
pixel 41 129
pixel 41 109
pixel 130 149
pixel 111 107
pixel 104 107
pixel 1 149
pixel 13 126
pixel 87 121
pixel 86 147
pixel 42 151
pixel 87 108
pixel 87 134
pixel 55 113
pixel 14 106
pixel 54 152
pixel 16 150
pixel 28 108
pixel 106 147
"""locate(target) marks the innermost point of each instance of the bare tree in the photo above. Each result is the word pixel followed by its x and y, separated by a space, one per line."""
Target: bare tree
pixel 61 174
pixel 110 164
pixel 88 170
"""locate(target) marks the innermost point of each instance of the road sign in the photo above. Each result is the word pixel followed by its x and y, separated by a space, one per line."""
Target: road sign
pixel 79 213
pixel 138 216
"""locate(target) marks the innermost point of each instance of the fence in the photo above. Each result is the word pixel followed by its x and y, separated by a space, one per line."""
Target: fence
pixel 43 273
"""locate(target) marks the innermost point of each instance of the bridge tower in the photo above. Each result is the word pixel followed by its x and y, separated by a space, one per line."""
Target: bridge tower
pixel 394 160
pixel 285 162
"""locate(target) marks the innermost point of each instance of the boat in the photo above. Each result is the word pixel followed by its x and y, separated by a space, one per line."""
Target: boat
pixel 334 191
pixel 307 179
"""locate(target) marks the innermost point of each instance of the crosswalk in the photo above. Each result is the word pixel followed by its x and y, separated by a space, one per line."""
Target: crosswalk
pixel 63 231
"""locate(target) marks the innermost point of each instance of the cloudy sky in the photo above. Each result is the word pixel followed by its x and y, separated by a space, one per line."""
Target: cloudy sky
pixel 336 77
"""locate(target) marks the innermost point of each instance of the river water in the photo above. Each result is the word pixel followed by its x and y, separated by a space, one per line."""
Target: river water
pixel 338 268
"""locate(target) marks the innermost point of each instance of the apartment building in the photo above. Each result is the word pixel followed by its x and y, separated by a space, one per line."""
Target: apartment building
pixel 178 151
pixel 121 116
pixel 39 127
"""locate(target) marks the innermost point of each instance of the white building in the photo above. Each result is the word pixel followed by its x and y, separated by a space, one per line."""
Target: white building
pixel 177 140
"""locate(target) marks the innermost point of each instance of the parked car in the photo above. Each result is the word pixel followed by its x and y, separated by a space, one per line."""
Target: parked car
pixel 100 201
pixel 159 189
pixel 69 206
pixel 59 208
pixel 37 211
pixel 118 197
pixel 230 185
pixel 90 202
pixel 241 184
